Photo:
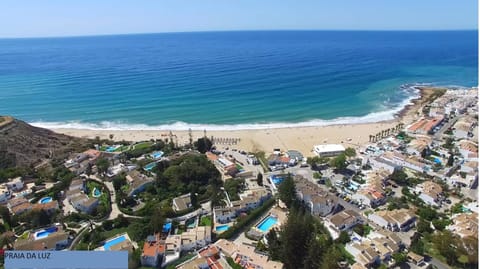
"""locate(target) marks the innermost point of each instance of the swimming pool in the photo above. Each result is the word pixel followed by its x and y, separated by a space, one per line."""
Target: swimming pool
pixel 150 166
pixel 276 179
pixel 157 154
pixel 437 160
pixel 111 148
pixel 96 192
pixel 190 223
pixel 44 233
pixel 267 223
pixel 113 242
pixel 222 228
pixel 45 200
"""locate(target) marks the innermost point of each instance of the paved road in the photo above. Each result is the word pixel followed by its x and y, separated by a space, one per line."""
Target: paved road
pixel 115 211
pixel 438 135
pixel 439 264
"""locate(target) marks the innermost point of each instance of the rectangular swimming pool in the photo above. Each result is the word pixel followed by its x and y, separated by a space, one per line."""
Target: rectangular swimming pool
pixel 276 179
pixel 113 242
pixel 222 228
pixel 267 223
pixel 150 166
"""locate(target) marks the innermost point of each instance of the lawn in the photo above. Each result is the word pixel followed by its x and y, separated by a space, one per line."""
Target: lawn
pixel 103 197
pixel 121 149
pixel 142 145
pixel 113 232
pixel 25 235
pixel 206 221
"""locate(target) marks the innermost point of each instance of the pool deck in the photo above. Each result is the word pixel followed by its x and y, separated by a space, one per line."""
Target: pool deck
pixel 276 212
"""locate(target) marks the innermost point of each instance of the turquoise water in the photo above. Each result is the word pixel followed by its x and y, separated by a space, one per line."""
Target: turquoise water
pixel 110 148
pixel 157 154
pixel 276 179
pixel 190 223
pixel 45 200
pixel 227 80
pixel 45 233
pixel 150 166
pixel 96 192
pixel 222 228
pixel 113 242
pixel 267 223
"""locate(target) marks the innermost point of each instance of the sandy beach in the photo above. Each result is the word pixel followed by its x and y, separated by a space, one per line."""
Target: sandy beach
pixel 302 138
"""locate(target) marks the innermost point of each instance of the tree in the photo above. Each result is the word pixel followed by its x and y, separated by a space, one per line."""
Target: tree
pixel 274 247
pixel 286 191
pixel 331 257
pixel 339 162
pixel 118 181
pixel 260 179
pixel 399 257
pixel 448 143
pixel 443 242
pixel 88 170
pixel 399 177
pixel 316 161
pixel 102 166
pixel 350 152
pixel 203 144
pixel 427 213
pixel 157 221
pixel 450 160
pixel 343 238
pixel 194 198
pixel 423 227
pixel 314 253
pixel 111 136
pixel 317 175
pixel 417 245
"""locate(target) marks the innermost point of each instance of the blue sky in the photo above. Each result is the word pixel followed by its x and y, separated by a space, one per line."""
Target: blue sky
pixel 33 18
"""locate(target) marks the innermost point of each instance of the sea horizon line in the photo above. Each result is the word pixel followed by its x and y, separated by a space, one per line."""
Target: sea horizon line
pixel 230 31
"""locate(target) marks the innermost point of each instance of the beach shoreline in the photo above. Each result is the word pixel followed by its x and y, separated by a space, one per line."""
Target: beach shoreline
pixel 298 138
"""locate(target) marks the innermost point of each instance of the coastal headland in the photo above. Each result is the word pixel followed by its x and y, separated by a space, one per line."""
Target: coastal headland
pixel 299 138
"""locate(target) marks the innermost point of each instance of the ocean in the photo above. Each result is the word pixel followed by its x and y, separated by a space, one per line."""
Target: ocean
pixel 227 80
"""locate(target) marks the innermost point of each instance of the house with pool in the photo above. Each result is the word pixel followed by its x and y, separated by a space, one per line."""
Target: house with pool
pixel 137 182
pixel 117 243
pixel 224 215
pixel 273 219
pixel 21 205
pixel 49 238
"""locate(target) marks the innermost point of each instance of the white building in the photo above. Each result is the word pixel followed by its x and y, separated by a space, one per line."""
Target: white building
pixel 15 184
pixel 429 192
pixel 196 238
pixel 5 194
pixel 328 150
pixel 395 220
